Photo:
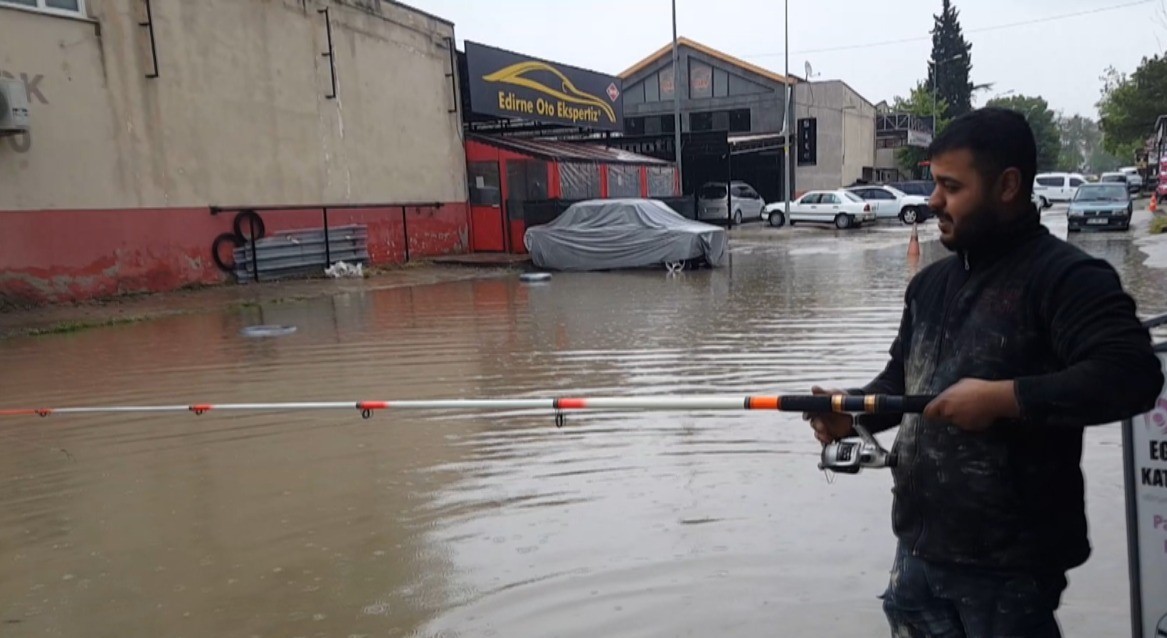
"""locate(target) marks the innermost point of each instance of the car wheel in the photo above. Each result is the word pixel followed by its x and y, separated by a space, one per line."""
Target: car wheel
pixel 777 220
pixel 910 215
pixel 737 218
pixel 1045 203
pixel 843 221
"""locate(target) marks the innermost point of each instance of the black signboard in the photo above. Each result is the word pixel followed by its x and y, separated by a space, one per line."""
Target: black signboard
pixel 808 129
pixel 510 85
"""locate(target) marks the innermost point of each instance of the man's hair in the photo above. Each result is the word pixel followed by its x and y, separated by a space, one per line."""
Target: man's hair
pixel 998 139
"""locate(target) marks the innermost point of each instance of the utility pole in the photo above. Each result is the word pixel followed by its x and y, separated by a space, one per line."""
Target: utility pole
pixel 677 102
pixel 786 112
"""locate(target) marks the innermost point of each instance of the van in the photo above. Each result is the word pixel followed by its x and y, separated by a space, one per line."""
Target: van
pixel 1057 187
pixel 713 201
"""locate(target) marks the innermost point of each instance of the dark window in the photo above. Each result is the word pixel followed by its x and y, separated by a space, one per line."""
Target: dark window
pixel 1075 182
pixel 701 121
pixel 635 95
pixel 484 183
pixel 1051 181
pixel 579 181
pixel 634 125
pixel 739 121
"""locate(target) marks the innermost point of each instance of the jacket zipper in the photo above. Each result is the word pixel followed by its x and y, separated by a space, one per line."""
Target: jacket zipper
pixel 939 348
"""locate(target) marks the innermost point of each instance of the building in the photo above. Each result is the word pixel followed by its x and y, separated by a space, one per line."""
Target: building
pixel 744 104
pixel 893 131
pixel 152 124
pixel 534 131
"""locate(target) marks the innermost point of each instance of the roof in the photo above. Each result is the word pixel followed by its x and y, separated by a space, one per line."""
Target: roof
pixel 713 53
pixel 566 151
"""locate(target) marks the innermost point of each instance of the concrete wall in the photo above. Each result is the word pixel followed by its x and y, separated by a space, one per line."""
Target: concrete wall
pixel 846 134
pixel 238 115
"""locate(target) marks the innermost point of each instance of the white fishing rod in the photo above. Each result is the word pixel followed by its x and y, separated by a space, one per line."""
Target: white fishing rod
pixel 841 456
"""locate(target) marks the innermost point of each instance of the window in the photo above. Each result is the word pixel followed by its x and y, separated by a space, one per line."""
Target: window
pixel 1075 182
pixel 66 7
pixel 813 198
pixel 828 198
pixel 484 183
pixel 700 80
pixel 735 121
pixel 634 126
pixel 720 83
pixel 1056 182
pixel 879 193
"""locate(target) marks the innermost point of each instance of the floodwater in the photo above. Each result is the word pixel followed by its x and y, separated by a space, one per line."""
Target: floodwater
pixel 487 524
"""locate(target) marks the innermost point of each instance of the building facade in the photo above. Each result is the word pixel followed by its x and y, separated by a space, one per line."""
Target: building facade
pixel 721 93
pixel 136 133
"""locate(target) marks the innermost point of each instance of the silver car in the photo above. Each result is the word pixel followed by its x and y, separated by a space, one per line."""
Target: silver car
pixel 1100 205
pixel 714 200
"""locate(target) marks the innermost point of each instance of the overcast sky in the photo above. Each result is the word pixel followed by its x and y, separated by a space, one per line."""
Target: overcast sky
pixel 1060 59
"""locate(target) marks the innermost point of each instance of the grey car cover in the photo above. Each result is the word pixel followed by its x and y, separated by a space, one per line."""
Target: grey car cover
pixel 608 234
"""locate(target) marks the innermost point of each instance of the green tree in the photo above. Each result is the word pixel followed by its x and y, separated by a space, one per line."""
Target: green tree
pixel 918 103
pixel 950 67
pixel 1043 121
pixel 1130 105
pixel 1082 147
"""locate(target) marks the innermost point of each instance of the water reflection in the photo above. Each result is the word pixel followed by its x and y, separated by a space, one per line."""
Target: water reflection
pixel 468 523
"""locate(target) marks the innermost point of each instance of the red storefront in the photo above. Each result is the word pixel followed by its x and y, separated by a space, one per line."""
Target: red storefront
pixel 516 182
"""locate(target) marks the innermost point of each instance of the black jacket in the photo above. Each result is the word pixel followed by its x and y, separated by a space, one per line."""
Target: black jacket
pixel 1036 309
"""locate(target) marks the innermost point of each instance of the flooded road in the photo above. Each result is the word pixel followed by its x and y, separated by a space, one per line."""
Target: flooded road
pixel 499 524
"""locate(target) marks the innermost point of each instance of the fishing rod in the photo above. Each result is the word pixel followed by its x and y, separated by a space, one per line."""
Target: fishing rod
pixel 846 455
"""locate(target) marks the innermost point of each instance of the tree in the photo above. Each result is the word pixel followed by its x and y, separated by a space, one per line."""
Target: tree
pixel 1082 147
pixel 1130 105
pixel 918 103
pixel 1043 121
pixel 951 63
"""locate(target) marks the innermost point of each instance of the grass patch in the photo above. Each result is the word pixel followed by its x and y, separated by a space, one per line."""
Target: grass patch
pixel 1158 224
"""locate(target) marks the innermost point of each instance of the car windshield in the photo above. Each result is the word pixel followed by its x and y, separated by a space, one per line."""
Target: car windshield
pixel 1100 193
pixel 713 191
pixel 1113 177
pixel 852 196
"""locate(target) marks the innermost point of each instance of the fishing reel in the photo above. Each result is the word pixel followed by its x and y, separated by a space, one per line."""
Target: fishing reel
pixel 850 456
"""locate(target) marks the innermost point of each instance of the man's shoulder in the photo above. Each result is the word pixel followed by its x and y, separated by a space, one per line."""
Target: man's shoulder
pixel 1052 256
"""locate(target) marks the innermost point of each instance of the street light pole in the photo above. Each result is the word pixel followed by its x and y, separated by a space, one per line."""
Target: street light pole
pixel 677 102
pixel 786 110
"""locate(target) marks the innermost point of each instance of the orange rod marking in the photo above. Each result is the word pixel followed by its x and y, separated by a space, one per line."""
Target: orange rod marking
pixel 571 404
pixel 373 405
pixel 765 403
pixel 200 408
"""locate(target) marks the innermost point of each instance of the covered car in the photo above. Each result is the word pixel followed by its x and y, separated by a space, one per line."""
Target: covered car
pixel 610 234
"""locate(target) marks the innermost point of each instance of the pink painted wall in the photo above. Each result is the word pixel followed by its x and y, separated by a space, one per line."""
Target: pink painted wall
pixel 76 255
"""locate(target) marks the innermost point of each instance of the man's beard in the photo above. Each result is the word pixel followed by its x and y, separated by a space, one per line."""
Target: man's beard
pixel 975 229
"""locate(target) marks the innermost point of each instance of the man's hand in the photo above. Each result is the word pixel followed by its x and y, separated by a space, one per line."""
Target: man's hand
pixel 829 426
pixel 974 404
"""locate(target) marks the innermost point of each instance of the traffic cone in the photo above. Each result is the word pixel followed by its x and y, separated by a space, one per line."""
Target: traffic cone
pixel 914 244
pixel 1155 201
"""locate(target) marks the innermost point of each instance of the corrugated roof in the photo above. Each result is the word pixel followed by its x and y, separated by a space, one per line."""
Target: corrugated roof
pixel 566 151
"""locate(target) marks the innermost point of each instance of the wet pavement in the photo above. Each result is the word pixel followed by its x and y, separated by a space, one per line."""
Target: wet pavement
pixel 490 524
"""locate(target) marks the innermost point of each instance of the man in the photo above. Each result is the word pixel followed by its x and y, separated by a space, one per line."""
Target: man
pixel 1024 340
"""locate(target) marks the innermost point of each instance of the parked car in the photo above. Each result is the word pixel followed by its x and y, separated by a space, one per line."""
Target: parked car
pixel 611 234
pixel 1101 205
pixel 714 200
pixel 921 187
pixel 1057 187
pixel 840 207
pixel 892 203
pixel 1119 177
pixel 1135 178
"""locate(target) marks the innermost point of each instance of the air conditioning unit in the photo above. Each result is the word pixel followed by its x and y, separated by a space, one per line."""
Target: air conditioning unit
pixel 13 107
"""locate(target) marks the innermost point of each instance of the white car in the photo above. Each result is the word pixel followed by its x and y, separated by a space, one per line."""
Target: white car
pixel 1057 187
pixel 893 203
pixel 840 207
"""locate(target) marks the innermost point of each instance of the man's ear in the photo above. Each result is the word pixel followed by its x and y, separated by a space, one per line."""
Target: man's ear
pixel 1010 185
